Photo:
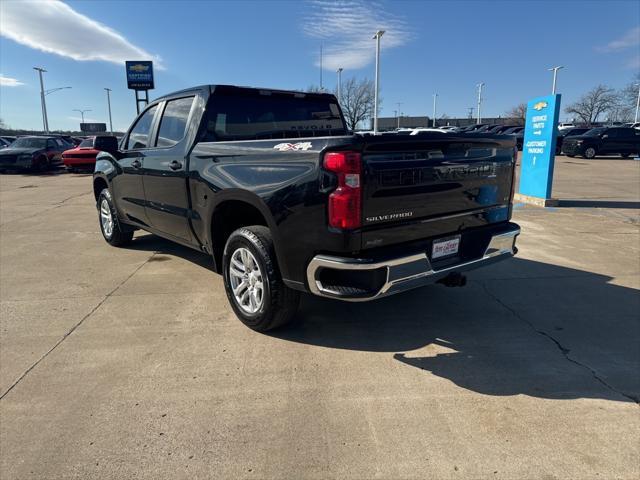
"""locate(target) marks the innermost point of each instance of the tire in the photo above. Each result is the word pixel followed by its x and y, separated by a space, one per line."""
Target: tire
pixel 39 164
pixel 589 153
pixel 570 156
pixel 251 253
pixel 112 231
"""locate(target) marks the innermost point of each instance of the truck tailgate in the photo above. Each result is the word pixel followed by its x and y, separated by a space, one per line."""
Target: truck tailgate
pixel 440 184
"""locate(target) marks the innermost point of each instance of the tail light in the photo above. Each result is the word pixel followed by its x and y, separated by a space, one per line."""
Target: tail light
pixel 345 203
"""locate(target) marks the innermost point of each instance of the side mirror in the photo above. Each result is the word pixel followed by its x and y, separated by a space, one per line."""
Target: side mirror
pixel 605 136
pixel 107 143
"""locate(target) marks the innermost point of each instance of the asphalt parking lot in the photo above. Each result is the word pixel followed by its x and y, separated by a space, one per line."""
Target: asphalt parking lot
pixel 129 363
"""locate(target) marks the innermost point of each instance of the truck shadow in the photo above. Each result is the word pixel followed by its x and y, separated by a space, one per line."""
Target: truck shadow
pixel 520 327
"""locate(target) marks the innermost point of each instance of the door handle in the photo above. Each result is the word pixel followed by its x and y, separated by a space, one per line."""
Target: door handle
pixel 136 164
pixel 175 165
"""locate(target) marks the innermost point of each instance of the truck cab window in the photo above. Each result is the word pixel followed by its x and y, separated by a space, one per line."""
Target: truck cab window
pixel 173 124
pixel 139 136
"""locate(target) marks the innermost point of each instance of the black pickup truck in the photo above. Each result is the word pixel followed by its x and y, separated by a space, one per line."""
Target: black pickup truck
pixel 285 199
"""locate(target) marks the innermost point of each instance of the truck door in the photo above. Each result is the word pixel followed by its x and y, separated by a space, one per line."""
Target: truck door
pixel 165 171
pixel 127 187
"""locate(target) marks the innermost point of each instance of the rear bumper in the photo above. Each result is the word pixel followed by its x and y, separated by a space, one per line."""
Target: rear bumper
pixel 330 276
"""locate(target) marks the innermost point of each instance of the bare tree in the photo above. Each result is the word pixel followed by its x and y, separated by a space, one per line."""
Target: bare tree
pixel 357 100
pixel 315 89
pixel 591 105
pixel 519 112
pixel 627 98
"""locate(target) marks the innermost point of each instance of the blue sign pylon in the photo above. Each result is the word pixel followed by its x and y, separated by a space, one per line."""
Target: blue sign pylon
pixel 538 151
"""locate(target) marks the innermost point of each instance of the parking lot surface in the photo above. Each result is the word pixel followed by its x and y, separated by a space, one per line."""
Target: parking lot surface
pixel 129 363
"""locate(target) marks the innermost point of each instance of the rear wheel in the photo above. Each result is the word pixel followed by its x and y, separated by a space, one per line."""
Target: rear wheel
pixel 111 229
pixel 253 282
pixel 589 153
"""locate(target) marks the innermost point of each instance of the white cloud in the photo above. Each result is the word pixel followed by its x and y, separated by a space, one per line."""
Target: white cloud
pixel 53 26
pixel 9 82
pixel 628 40
pixel 346 29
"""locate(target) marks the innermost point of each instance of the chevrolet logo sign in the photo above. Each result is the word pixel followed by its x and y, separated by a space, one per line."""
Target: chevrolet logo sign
pixel 139 68
pixel 540 105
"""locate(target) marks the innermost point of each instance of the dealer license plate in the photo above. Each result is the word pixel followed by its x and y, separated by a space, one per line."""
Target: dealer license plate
pixel 445 247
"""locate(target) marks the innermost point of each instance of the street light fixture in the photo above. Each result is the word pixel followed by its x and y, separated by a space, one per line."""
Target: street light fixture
pixel 555 76
pixel 82 112
pixel 435 99
pixel 480 85
pixel 109 105
pixel 47 92
pixel 377 38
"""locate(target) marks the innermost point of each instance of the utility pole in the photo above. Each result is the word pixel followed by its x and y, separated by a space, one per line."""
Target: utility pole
pixel 637 103
pixel 340 85
pixel 435 99
pixel 470 112
pixel 480 85
pixel 555 76
pixel 377 38
pixel 45 120
pixel 109 105
pixel 321 87
pixel 399 113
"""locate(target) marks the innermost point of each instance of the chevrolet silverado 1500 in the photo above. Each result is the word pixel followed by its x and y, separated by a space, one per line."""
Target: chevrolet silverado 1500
pixel 286 199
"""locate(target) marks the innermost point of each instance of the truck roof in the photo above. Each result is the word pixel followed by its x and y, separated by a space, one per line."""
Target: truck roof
pixel 229 88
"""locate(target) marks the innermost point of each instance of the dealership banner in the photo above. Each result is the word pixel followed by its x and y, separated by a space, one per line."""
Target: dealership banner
pixel 139 75
pixel 539 146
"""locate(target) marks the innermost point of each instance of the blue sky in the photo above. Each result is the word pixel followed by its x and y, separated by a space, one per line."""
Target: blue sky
pixel 445 47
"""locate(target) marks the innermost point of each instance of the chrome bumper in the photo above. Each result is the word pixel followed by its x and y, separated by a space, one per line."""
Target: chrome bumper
pixel 404 273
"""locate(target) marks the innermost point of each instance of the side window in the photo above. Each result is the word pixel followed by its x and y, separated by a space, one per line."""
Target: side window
pixel 139 136
pixel 51 143
pixel 173 124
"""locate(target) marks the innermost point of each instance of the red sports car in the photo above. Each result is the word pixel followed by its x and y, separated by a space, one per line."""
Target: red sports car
pixel 84 155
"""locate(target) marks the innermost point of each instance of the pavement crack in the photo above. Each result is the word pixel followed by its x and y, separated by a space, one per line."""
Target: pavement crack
pixel 75 327
pixel 565 351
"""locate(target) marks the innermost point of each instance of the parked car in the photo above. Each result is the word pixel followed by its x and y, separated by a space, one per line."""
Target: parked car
pixel 285 199
pixel 8 139
pixel 33 153
pixel 570 132
pixel 420 130
pixel 84 155
pixel 623 141
pixel 4 143
pixel 632 125
pixel 518 133
pixel 566 126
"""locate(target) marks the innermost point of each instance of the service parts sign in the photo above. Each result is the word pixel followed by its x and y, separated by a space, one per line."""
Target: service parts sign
pixel 139 75
pixel 539 145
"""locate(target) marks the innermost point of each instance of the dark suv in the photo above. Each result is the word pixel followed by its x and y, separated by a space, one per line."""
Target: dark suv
pixel 603 141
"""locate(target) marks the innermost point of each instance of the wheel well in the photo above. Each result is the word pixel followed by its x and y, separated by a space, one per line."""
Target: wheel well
pixel 228 217
pixel 99 184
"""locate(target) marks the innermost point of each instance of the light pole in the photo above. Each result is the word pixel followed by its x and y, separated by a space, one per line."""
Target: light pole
pixel 555 76
pixel 109 105
pixel 82 112
pixel 480 85
pixel 377 38
pixel 45 121
pixel 435 99
pixel 399 114
pixel 340 85
pixel 637 103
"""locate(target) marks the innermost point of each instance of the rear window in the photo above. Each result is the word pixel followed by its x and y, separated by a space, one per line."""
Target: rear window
pixel 86 143
pixel 256 116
